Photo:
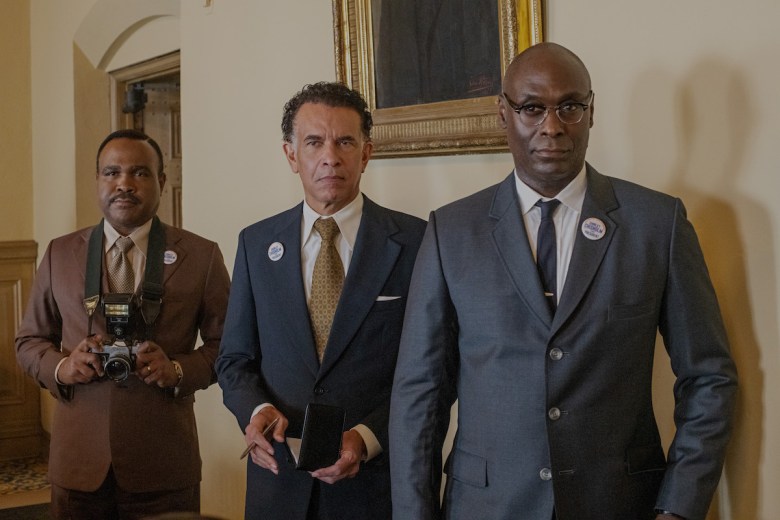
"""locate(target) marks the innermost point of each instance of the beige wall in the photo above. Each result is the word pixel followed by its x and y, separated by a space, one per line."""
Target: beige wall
pixel 16 194
pixel 686 102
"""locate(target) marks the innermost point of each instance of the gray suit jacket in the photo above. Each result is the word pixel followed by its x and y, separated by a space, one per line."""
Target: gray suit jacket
pixel 557 411
pixel 268 353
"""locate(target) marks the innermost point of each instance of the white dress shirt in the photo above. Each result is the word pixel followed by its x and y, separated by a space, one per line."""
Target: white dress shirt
pixel 566 219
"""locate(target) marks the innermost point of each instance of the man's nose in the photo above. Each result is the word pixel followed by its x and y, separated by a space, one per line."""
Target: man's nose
pixel 330 154
pixel 126 182
pixel 552 125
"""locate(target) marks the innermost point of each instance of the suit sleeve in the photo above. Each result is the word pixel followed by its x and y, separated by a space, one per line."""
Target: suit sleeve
pixel 40 334
pixel 198 365
pixel 239 361
pixel 706 380
pixel 424 387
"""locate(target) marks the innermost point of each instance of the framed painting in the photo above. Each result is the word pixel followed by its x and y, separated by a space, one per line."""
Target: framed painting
pixel 431 70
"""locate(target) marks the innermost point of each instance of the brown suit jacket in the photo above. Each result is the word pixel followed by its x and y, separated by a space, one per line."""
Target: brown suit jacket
pixel 144 432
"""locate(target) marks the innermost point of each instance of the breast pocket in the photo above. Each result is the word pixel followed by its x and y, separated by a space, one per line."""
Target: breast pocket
pixel 630 311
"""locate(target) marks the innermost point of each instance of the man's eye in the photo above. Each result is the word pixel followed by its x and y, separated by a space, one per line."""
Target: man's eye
pixel 570 107
pixel 532 110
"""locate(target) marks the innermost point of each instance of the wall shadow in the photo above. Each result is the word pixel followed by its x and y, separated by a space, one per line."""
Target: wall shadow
pixel 709 117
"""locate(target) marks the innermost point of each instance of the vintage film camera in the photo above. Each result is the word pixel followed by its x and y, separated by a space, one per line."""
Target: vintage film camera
pixel 119 347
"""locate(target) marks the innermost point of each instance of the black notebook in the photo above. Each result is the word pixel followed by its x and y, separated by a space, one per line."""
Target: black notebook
pixel 320 442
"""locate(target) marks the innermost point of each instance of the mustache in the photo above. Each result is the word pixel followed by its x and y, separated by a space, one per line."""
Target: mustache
pixel 125 196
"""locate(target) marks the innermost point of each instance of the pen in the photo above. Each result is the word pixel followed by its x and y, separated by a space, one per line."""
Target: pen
pixel 265 432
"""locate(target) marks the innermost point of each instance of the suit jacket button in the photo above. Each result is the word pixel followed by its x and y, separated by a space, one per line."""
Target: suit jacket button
pixel 554 414
pixel 545 474
pixel 318 390
pixel 556 354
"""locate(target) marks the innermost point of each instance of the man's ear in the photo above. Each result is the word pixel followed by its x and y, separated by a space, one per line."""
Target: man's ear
pixel 591 110
pixel 161 178
pixel 289 153
pixel 368 149
pixel 501 114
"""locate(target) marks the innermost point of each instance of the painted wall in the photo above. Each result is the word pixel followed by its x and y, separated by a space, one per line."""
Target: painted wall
pixel 686 102
pixel 16 195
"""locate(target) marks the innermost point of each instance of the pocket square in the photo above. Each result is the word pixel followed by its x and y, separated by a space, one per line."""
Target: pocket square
pixel 386 298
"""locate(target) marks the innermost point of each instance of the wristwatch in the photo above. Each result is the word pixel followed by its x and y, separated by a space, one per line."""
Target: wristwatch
pixel 179 371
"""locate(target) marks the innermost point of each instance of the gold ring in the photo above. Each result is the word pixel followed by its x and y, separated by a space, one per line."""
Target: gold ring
pixel 149 368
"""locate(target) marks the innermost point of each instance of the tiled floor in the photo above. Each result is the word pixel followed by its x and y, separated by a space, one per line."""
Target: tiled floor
pixel 23 482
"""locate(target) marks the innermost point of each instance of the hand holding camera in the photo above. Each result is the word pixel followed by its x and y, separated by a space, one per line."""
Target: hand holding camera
pixel 83 365
pixel 122 352
pixel 154 367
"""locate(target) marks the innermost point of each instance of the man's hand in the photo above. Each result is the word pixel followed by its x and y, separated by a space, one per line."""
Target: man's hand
pixel 153 367
pixel 353 449
pixel 263 452
pixel 81 365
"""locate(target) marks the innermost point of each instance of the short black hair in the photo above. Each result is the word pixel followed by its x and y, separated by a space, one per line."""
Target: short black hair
pixel 129 133
pixel 332 94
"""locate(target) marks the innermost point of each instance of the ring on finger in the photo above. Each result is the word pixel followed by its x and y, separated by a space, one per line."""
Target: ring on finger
pixel 149 369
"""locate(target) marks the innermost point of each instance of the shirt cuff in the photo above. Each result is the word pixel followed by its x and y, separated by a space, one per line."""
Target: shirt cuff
pixel 258 408
pixel 373 448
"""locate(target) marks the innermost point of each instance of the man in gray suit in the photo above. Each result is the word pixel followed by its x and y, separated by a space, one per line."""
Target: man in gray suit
pixel 553 371
pixel 278 354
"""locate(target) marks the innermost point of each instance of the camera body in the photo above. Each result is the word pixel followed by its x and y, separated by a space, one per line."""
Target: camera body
pixel 120 346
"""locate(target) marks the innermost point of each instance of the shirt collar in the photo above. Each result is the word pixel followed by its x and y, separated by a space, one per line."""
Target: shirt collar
pixel 572 196
pixel 348 219
pixel 140 236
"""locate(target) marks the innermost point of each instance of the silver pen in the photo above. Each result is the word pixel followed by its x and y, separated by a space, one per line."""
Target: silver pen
pixel 252 445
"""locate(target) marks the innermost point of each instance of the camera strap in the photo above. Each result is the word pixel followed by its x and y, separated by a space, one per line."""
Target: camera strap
pixel 152 288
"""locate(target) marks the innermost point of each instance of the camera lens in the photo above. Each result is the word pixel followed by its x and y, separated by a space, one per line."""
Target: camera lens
pixel 117 367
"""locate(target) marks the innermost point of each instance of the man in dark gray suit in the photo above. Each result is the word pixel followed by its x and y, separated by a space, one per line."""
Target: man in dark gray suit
pixel 553 370
pixel 278 354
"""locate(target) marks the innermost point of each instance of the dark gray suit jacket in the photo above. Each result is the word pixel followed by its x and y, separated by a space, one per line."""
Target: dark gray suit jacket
pixel 557 411
pixel 268 353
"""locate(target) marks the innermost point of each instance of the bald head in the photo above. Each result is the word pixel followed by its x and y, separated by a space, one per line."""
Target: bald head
pixel 545 54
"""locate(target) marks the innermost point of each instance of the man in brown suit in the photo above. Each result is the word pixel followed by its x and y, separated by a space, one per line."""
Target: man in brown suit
pixel 128 448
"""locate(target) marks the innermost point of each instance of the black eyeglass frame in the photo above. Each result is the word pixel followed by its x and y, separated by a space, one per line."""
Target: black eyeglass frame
pixel 517 109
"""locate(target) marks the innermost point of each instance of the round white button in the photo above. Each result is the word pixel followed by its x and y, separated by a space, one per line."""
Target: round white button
pixel 556 354
pixel 545 474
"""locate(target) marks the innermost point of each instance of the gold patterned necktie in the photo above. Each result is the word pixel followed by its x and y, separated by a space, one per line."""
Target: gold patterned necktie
pixel 120 271
pixel 326 283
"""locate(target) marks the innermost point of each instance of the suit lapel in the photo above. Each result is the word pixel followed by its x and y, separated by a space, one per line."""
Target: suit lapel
pixel 587 254
pixel 287 282
pixel 511 242
pixel 80 258
pixel 172 239
pixel 372 262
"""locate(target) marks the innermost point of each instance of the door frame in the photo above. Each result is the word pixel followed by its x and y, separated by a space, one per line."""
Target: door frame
pixel 146 70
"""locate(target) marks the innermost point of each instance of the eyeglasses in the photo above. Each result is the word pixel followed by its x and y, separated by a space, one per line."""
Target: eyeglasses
pixel 569 113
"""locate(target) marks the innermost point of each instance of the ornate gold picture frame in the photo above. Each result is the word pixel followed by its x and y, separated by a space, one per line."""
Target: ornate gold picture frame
pixel 439 127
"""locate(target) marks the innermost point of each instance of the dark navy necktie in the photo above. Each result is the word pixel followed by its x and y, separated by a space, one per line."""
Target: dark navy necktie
pixel 547 251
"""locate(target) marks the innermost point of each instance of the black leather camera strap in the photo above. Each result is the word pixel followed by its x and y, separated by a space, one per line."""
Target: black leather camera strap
pixel 152 288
